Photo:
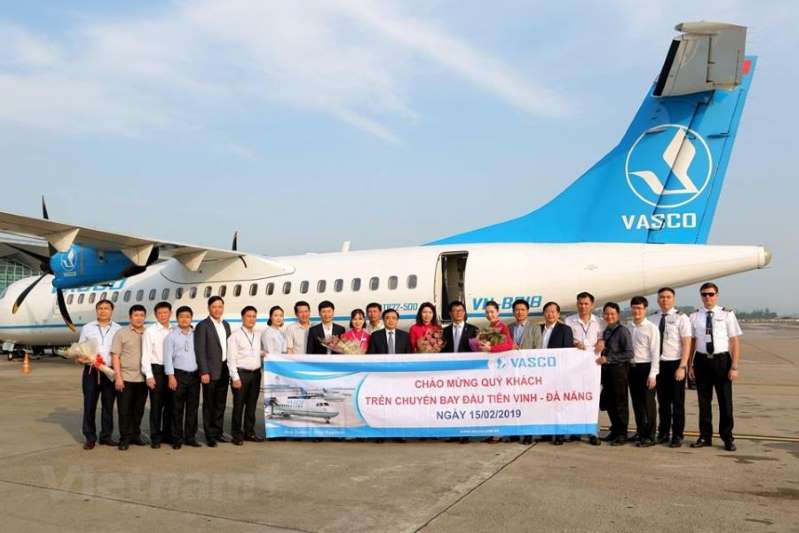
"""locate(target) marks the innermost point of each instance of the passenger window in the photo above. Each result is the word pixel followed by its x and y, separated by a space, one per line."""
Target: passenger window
pixel 338 285
pixel 223 291
pixel 374 283
pixel 253 289
pixel 304 287
pixel 152 294
pixel 287 287
pixel 92 296
pixel 193 292
pixel 139 295
pixel 165 294
pixel 356 284
pixel 127 296
pixel 412 281
pixel 178 293
pixel 392 283
pixel 321 286
pixel 207 292
pixel 115 296
pixel 103 296
pixel 237 290
pixel 270 289
pixel 80 298
pixel 70 298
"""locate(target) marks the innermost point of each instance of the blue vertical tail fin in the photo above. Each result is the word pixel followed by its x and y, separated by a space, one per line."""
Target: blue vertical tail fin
pixel 662 182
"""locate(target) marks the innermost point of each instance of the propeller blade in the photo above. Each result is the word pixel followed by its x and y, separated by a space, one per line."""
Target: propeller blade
pixel 62 307
pixel 24 294
pixel 44 210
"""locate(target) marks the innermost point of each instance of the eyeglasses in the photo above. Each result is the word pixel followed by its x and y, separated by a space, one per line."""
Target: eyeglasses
pixel 707 294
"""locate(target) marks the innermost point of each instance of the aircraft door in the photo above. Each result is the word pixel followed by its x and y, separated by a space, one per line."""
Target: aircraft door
pixel 450 281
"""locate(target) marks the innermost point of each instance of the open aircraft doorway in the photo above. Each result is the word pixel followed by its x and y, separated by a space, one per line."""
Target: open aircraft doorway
pixel 450 281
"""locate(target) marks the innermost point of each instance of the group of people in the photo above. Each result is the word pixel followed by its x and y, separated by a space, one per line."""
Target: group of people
pixel 648 359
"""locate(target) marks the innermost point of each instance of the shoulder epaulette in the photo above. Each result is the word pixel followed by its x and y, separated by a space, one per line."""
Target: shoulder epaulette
pixel 728 309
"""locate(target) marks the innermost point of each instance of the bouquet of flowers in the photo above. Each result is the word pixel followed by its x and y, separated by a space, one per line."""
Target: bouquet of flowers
pixel 485 339
pixel 432 342
pixel 85 353
pixel 344 346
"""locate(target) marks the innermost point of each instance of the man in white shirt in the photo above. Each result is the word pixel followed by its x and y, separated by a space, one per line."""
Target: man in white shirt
pixel 675 349
pixel 244 363
pixel 716 350
pixel 297 333
pixel 374 321
pixel 587 332
pixel 210 347
pixel 643 371
pixel 152 366
pixel 94 383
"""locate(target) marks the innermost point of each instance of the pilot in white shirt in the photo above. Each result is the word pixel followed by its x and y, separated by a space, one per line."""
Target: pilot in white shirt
pixel 152 366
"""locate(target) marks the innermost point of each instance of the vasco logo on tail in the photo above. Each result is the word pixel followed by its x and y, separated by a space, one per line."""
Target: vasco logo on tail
pixel 683 174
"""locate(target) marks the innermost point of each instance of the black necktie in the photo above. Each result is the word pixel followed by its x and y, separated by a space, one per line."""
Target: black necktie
pixel 662 328
pixel 709 331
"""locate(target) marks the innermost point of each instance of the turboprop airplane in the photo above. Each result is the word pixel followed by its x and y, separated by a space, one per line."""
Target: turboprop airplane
pixel 637 220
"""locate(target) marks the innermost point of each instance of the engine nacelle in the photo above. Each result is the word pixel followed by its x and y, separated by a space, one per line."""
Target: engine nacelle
pixel 82 266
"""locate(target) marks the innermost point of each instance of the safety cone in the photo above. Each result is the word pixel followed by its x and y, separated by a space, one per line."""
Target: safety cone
pixel 26 365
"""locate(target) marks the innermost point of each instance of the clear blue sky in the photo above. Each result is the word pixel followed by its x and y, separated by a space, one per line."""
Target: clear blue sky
pixel 304 124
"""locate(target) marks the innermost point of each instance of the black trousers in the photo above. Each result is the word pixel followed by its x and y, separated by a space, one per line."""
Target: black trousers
pixel 161 400
pixel 713 373
pixel 644 405
pixel 214 400
pixel 614 397
pixel 95 386
pixel 185 405
pixel 130 403
pixel 671 401
pixel 245 401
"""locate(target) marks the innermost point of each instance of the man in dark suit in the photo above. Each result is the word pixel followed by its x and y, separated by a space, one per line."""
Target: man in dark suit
pixel 555 334
pixel 210 346
pixel 322 331
pixel 459 330
pixel 390 340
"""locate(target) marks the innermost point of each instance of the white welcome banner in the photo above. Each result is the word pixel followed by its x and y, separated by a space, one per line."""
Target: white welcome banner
pixel 521 392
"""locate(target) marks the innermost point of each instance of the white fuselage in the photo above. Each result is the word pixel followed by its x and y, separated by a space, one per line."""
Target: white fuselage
pixel 406 277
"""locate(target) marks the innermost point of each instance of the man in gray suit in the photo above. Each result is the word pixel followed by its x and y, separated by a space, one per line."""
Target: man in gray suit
pixel 210 346
pixel 525 334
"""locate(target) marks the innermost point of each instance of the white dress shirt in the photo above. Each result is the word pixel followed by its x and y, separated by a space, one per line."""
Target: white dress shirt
pixel 725 326
pixel 244 351
pixel 457 333
pixel 274 340
pixel 152 347
pixel 589 333
pixel 546 334
pixel 678 327
pixel 220 331
pixel 102 336
pixel 371 329
pixel 328 332
pixel 297 337
pixel 646 345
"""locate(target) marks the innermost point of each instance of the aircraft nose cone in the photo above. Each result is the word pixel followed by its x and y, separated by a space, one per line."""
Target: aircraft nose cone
pixel 765 257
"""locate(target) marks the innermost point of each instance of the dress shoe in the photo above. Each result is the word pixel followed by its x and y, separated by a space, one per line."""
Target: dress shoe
pixel 575 438
pixel 138 442
pixel 676 442
pixel 618 441
pixel 558 441
pixel 254 438
pixel 610 437
pixel 464 440
pixel 527 440
pixel 194 444
pixel 109 442
pixel 224 438
pixel 730 446
pixel 645 443
pixel 635 438
pixel 155 445
pixel 237 441
pixel 664 439
pixel 212 443
pixel 123 446
pixel 176 446
pixel 701 443
pixel 593 440
pixel 491 440
pixel 88 445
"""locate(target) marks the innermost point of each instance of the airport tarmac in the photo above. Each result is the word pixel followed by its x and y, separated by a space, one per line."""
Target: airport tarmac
pixel 49 483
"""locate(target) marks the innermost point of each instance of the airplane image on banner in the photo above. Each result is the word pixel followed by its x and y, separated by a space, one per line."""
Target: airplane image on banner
pixel 648 206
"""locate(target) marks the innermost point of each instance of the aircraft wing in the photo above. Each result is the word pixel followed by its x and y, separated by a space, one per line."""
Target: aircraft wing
pixel 137 249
